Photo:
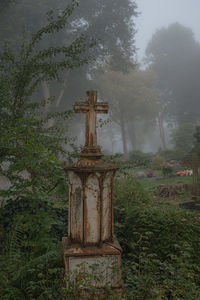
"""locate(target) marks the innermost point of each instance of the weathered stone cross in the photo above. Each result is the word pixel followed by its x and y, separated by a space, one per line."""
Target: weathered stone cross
pixel 91 107
pixel 91 246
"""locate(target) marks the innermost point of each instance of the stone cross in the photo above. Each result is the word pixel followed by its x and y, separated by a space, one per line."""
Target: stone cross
pixel 91 107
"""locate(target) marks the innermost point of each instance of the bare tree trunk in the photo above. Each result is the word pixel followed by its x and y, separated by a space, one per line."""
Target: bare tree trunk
pixel 123 134
pixel 47 95
pixel 162 131
pixel 132 135
pixel 60 96
pixel 111 138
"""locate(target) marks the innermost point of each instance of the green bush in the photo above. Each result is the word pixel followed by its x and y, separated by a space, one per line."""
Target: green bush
pixel 128 191
pixel 197 139
pixel 182 137
pixel 139 158
pixel 171 154
pixel 158 163
pixel 167 170
pixel 161 246
pixel 31 254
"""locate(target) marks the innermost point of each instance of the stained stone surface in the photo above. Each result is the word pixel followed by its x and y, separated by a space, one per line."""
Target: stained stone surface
pixel 102 263
pixel 75 220
pixel 90 206
pixel 103 269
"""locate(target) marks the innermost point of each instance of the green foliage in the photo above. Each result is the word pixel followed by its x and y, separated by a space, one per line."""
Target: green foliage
pixel 31 253
pixel 27 140
pixel 160 246
pixel 22 73
pixel 128 191
pixel 158 163
pixel 112 158
pixel 171 154
pixel 107 21
pixel 167 170
pixel 31 222
pixel 197 139
pixel 160 250
pixel 183 137
pixel 140 158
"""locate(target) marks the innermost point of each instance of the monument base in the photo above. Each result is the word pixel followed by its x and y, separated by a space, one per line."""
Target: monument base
pixel 102 264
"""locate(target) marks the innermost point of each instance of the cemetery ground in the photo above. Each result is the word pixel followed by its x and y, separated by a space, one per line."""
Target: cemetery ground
pixel 160 242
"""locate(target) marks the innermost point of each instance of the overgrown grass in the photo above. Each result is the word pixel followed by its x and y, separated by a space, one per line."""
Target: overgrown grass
pixel 160 242
pixel 149 183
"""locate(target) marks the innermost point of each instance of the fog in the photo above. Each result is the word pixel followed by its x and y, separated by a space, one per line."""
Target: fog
pixel 155 14
pixel 145 62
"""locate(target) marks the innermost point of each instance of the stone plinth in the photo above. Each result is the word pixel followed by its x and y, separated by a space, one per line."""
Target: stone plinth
pixel 102 263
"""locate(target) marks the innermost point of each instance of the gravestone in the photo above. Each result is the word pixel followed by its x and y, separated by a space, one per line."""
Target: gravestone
pixel 192 161
pixel 196 173
pixel 91 245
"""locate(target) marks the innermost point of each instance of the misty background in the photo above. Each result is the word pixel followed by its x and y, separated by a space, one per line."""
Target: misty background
pixel 146 64
pixel 155 14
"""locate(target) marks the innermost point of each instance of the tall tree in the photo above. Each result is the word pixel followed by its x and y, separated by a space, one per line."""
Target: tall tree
pixel 25 140
pixel 4 4
pixel 133 99
pixel 110 22
pixel 174 55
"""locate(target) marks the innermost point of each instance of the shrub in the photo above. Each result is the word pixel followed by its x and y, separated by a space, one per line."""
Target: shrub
pixel 128 191
pixel 182 137
pixel 167 170
pixel 139 158
pixel 161 246
pixel 31 251
pixel 171 154
pixel 158 163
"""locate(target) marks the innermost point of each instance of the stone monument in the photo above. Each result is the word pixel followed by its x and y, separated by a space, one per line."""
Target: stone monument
pixel 91 245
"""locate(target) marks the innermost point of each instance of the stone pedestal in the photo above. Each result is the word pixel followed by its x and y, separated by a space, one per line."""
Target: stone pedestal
pixel 103 263
pixel 91 243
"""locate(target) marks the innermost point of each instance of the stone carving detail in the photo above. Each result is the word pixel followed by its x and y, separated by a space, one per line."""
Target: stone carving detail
pixel 75 222
pixel 92 210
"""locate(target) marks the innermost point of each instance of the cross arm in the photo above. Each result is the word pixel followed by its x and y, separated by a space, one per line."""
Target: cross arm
pixel 102 108
pixel 81 107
